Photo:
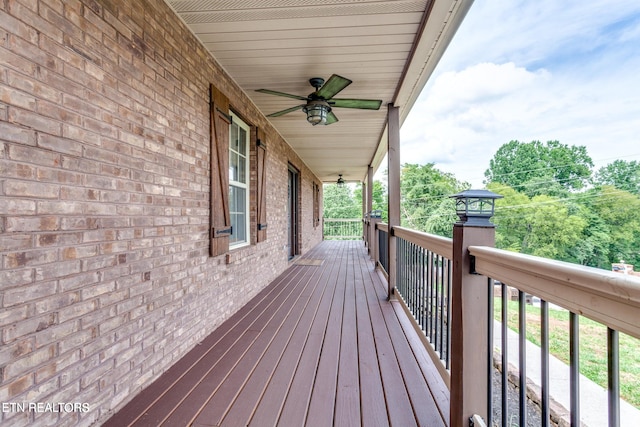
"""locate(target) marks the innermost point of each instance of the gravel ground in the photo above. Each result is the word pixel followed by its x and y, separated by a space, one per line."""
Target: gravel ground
pixel 533 410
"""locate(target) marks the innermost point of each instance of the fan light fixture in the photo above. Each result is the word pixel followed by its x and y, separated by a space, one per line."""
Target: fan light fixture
pixel 320 103
pixel 317 112
pixel 340 181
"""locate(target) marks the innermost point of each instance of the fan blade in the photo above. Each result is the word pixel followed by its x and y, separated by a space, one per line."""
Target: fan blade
pixel 283 112
pixel 334 85
pixel 331 118
pixel 365 104
pixel 275 92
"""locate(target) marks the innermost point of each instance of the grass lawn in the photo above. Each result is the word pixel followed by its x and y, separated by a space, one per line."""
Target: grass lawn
pixel 593 347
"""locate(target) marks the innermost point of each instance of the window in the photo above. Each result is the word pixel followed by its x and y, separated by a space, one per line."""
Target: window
pixel 239 182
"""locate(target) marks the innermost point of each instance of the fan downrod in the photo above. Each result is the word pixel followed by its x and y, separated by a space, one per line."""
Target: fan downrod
pixel 316 82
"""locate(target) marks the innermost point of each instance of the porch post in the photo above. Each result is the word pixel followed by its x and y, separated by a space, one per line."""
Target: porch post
pixel 469 333
pixel 364 213
pixel 369 208
pixel 393 155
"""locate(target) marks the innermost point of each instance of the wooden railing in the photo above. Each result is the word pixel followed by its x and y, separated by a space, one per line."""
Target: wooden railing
pixel 447 288
pixel 342 229
pixel 424 289
pixel 608 298
pixel 382 252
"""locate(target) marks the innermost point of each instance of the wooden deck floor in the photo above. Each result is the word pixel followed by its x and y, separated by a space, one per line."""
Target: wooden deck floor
pixel 320 346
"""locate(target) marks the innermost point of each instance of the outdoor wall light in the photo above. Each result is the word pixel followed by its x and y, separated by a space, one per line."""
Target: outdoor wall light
pixel 317 111
pixel 475 207
pixel 340 181
pixel 377 213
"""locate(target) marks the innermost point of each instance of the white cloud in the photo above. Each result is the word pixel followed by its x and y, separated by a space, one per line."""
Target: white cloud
pixel 531 71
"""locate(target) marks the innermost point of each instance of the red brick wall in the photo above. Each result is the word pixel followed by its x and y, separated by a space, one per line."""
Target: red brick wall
pixel 105 277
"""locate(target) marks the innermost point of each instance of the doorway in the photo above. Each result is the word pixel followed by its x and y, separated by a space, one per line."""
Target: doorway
pixel 292 212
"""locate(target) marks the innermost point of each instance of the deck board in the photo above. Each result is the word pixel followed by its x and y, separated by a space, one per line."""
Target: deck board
pixel 221 383
pixel 347 412
pixel 219 359
pixel 296 405
pixel 320 346
pixel 374 408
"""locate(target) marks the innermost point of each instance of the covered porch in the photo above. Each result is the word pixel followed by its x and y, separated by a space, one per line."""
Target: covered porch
pixel 321 345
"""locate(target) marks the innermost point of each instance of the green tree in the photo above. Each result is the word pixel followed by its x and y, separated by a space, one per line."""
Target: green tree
pixel 543 225
pixel 509 218
pixel 441 220
pixel 378 198
pixel 424 192
pixel 620 174
pixel 593 248
pixel 553 231
pixel 341 202
pixel 618 209
pixel 533 167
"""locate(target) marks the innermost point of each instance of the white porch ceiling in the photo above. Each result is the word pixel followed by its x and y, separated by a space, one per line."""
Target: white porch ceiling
pixel 388 48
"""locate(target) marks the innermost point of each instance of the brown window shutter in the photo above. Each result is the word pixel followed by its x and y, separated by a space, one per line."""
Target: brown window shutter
pixel 262 187
pixel 220 217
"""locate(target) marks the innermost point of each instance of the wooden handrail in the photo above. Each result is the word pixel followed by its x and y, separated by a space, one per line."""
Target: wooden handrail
pixel 440 245
pixel 382 226
pixel 612 299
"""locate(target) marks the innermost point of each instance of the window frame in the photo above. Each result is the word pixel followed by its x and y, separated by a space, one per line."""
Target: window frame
pixel 246 186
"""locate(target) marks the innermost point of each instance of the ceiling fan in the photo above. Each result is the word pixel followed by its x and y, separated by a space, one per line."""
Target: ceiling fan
pixel 319 104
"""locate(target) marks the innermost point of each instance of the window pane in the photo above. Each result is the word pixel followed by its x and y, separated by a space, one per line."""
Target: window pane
pixel 232 199
pixel 233 166
pixel 234 227
pixel 241 230
pixel 241 198
pixel 238 211
pixel 242 168
pixel 234 137
pixel 242 145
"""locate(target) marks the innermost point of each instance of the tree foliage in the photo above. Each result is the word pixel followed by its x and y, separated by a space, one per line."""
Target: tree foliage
pixel 534 165
pixel 378 198
pixel 425 203
pixel 618 209
pixel 620 174
pixel 546 210
pixel 543 212
pixel 341 202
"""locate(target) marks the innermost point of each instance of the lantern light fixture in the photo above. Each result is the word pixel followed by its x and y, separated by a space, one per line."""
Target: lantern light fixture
pixel 317 111
pixel 340 181
pixel 475 207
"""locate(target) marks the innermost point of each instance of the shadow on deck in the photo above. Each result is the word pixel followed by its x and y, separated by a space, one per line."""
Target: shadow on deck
pixel 320 346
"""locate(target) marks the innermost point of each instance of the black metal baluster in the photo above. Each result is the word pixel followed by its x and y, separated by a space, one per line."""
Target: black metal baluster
pixel 448 363
pixel 436 312
pixel 613 369
pixel 574 366
pixel 490 355
pixel 442 298
pixel 431 296
pixel 522 344
pixel 427 301
pixel 416 275
pixel 505 361
pixel 544 358
pixel 422 283
pixel 419 311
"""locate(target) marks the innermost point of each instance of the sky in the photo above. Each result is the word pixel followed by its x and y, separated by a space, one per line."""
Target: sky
pixel 531 70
